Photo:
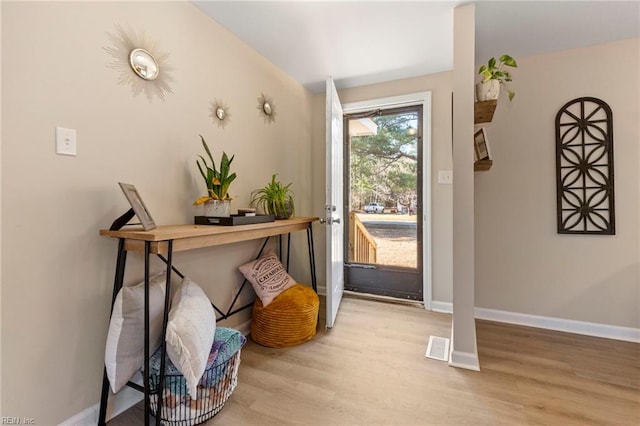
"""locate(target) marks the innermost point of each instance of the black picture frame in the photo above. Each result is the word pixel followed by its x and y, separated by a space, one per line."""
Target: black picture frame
pixel 138 206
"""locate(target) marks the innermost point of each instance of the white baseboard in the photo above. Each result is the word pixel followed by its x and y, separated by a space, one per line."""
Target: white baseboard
pixel 88 416
pixel 606 331
pixel 322 290
pixel 466 360
pixel 442 307
pixel 463 359
pixel 627 334
pixel 124 400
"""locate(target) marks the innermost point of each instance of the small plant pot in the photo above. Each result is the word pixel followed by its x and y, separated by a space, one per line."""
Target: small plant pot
pixel 488 91
pixel 217 208
pixel 283 213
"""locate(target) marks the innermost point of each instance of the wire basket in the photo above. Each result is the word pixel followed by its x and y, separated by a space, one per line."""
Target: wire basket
pixel 214 389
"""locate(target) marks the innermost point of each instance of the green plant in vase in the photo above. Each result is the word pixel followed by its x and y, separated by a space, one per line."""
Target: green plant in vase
pixel 493 75
pixel 275 198
pixel 217 180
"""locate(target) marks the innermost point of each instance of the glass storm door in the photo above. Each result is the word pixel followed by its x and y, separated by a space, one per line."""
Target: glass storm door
pixel 383 201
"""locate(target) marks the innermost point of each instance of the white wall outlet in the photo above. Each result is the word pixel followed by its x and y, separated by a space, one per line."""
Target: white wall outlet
pixel 65 141
pixel 445 177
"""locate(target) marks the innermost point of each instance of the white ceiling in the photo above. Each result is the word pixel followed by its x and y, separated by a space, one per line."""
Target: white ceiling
pixel 364 42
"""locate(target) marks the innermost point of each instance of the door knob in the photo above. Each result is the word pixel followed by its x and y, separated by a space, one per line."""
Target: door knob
pixel 330 220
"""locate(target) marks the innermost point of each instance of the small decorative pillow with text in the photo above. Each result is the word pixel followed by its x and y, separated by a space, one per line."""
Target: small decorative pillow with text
pixel 267 276
pixel 190 332
pixel 124 353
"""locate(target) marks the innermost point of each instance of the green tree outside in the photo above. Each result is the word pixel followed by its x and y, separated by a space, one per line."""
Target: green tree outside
pixel 384 166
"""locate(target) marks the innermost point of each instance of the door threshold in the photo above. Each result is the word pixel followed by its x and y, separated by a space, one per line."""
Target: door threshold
pixel 387 299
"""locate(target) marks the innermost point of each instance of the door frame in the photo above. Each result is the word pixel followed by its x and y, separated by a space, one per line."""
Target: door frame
pixel 424 99
pixel 375 278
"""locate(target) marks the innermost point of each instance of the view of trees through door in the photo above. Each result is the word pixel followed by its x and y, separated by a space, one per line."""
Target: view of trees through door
pixel 383 200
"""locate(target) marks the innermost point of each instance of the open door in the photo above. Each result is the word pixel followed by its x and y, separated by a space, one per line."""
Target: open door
pixel 383 201
pixel 334 204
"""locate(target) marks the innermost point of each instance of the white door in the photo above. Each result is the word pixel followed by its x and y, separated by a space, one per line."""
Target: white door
pixel 333 206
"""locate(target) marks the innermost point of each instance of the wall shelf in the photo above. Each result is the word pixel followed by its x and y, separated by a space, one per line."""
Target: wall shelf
pixel 482 165
pixel 483 113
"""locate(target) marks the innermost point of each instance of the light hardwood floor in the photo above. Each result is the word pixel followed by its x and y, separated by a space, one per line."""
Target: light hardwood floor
pixel 371 369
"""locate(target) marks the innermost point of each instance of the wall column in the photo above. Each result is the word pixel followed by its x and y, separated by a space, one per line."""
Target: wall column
pixel 464 352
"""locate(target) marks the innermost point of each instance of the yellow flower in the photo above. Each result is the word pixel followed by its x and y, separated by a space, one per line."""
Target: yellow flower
pixel 201 200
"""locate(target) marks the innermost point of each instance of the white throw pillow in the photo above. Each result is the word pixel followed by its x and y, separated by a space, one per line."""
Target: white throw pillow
pixel 124 353
pixel 190 332
pixel 267 276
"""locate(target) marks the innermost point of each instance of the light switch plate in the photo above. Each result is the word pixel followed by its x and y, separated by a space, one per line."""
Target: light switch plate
pixel 445 177
pixel 65 141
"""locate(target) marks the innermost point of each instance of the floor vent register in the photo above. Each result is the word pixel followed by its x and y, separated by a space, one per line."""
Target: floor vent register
pixel 438 348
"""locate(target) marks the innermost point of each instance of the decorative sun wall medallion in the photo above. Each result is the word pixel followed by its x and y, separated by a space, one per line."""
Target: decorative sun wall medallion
pixel 220 113
pixel 141 64
pixel 266 108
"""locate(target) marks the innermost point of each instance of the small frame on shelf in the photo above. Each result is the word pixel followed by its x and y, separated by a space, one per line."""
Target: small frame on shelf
pixel 481 145
pixel 138 206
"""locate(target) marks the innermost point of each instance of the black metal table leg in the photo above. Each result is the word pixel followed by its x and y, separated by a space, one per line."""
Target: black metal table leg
pixel 147 401
pixel 104 399
pixel 163 347
pixel 312 259
pixel 117 285
pixel 288 249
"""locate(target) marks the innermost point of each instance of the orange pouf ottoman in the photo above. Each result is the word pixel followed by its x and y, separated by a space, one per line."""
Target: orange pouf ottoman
pixel 289 320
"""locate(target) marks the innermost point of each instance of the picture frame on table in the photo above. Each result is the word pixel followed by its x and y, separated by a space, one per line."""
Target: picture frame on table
pixel 481 145
pixel 138 206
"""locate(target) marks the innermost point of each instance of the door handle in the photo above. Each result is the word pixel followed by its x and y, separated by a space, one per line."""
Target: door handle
pixel 330 220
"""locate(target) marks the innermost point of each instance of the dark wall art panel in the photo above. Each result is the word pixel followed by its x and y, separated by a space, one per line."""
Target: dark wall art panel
pixel 584 167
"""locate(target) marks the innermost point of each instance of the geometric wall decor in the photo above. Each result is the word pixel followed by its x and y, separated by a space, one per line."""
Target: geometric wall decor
pixel 125 43
pixel 584 168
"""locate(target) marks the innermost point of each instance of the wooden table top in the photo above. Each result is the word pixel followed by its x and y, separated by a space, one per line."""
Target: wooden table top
pixel 187 237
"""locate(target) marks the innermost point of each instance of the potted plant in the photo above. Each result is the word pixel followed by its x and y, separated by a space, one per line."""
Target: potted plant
pixel 217 202
pixel 493 75
pixel 275 199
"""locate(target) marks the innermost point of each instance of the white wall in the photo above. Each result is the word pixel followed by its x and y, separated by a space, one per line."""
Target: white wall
pixel 522 264
pixel 57 273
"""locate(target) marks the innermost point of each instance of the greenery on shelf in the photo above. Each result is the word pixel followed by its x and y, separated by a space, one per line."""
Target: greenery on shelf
pixel 494 70
pixel 217 180
pixel 275 198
